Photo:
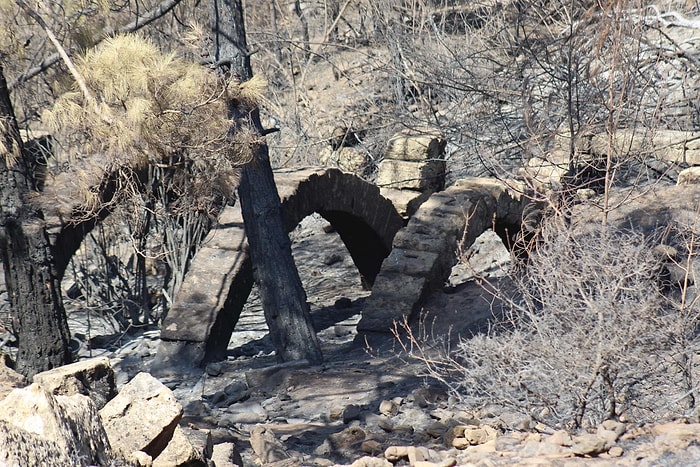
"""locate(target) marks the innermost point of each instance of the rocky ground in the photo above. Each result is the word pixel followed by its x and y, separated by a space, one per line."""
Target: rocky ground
pixel 370 403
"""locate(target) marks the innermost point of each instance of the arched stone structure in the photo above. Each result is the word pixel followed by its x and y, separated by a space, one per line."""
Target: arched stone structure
pixel 403 267
pixel 199 324
pixel 424 251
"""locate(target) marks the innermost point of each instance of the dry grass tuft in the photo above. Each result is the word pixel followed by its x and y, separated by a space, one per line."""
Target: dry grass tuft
pixel 151 108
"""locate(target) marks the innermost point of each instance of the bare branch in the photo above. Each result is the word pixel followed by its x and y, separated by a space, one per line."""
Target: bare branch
pixel 159 11
pixel 61 52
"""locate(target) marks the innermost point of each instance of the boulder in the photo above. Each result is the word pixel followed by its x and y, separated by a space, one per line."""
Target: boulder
pixel 226 455
pixel 93 378
pixel 142 417
pixel 186 448
pixel 21 447
pixel 588 444
pixel 71 423
pixel 9 378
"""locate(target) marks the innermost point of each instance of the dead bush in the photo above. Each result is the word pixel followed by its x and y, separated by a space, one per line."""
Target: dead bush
pixel 586 335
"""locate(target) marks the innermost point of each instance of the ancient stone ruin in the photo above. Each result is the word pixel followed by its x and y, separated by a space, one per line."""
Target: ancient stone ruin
pixel 386 251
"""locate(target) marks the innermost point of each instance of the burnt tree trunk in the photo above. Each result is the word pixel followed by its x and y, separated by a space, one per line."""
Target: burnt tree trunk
pixel 283 297
pixel 39 318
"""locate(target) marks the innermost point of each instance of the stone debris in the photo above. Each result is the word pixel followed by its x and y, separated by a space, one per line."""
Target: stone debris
pixel 226 455
pixel 142 417
pixel 69 424
pixel 93 378
pixel 186 447
pixel 267 447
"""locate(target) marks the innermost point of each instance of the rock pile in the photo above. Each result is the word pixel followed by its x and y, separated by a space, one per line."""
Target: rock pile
pixel 72 416
pixel 297 415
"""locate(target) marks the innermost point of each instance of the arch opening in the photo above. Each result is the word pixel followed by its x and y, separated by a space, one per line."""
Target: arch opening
pixel 332 284
pixel 366 247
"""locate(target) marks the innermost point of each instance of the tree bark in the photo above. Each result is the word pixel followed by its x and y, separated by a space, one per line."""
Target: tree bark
pixel 283 297
pixel 30 272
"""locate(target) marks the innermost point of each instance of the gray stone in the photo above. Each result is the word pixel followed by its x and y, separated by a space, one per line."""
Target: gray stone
pixel 589 445
pixel 142 417
pixel 388 408
pixel 185 449
pixel 71 423
pixel 246 412
pixel 351 412
pixel 93 378
pixel 266 446
pixel 272 376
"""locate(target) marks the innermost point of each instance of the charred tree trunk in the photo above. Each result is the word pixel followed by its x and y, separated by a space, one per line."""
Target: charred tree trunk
pixel 39 318
pixel 283 297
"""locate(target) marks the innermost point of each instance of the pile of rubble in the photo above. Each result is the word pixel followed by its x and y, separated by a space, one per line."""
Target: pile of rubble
pixel 73 416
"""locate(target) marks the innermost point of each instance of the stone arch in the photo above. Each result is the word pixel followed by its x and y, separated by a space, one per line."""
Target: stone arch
pixel 423 252
pixel 363 218
pixel 200 322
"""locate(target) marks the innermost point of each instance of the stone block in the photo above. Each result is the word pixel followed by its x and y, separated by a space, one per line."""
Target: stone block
pixel 175 357
pixel 226 455
pixel 669 145
pixel 406 202
pixel 415 148
pixel 230 216
pixel 410 262
pixel 71 423
pixel 689 176
pixel 186 448
pixel 231 237
pixel 142 417
pixel 412 240
pixel 421 176
pixel 388 305
pixel 190 320
pixel 93 378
